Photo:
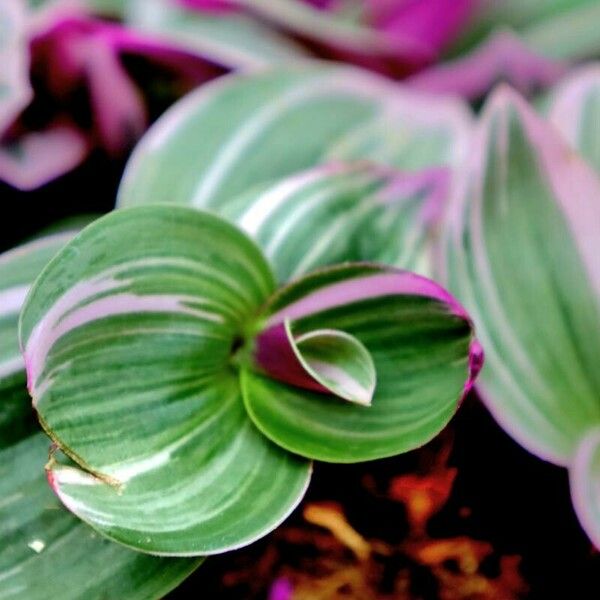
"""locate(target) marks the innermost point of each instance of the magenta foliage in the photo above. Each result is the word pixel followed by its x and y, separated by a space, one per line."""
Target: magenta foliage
pixel 403 35
pixel 77 53
pixel 88 53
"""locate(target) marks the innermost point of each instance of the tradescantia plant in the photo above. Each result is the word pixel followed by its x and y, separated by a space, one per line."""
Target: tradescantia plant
pixel 45 550
pixel 191 394
pixel 319 165
pixel 247 130
pixel 521 251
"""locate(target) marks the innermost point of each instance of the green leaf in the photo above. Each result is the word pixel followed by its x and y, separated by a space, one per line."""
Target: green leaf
pixel 338 362
pixel 116 9
pixel 568 34
pixel 233 40
pixel 343 212
pixel 18 269
pixel 246 130
pixel 575 111
pixel 130 336
pixel 421 344
pixel 15 90
pixel 584 475
pixel 45 551
pixel 522 254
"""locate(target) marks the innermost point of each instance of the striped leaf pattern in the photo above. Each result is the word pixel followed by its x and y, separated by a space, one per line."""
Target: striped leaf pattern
pixel 15 91
pixel 261 127
pixel 575 112
pixel 421 343
pixel 343 212
pixel 45 551
pixel 522 254
pixel 324 360
pixel 232 40
pixel 130 336
pixel 339 362
pixel 18 269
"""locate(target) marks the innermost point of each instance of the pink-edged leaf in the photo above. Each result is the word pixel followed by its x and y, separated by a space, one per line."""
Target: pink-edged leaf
pixel 117 105
pixel 503 56
pixel 420 341
pixel 39 157
pixel 338 212
pixel 322 360
pixel 575 111
pixel 584 475
pixel 522 254
pixel 74 51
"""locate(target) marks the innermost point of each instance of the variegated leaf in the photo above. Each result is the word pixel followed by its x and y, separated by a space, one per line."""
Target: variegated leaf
pixel 45 551
pixel 233 40
pixel 18 269
pixel 323 360
pixel 343 212
pixel 130 338
pixel 569 32
pixel 575 111
pixel 584 475
pixel 247 130
pixel 522 254
pixel 390 37
pixel 15 90
pixel 421 343
pixel 560 29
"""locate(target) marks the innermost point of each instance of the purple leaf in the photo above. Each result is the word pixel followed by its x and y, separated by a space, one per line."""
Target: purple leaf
pixel 501 57
pixel 70 52
pixel 434 22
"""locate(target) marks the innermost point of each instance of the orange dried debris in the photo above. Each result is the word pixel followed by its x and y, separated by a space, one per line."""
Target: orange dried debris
pixel 423 496
pixel 330 516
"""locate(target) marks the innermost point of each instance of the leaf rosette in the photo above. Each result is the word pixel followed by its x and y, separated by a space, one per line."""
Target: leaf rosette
pixel 191 394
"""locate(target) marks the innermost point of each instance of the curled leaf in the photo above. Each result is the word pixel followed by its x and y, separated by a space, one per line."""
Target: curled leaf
pixel 421 344
pixel 323 360
pixel 130 337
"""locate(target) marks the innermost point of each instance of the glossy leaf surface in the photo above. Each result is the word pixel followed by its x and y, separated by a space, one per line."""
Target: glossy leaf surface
pixel 421 344
pixel 129 337
pixel 45 550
